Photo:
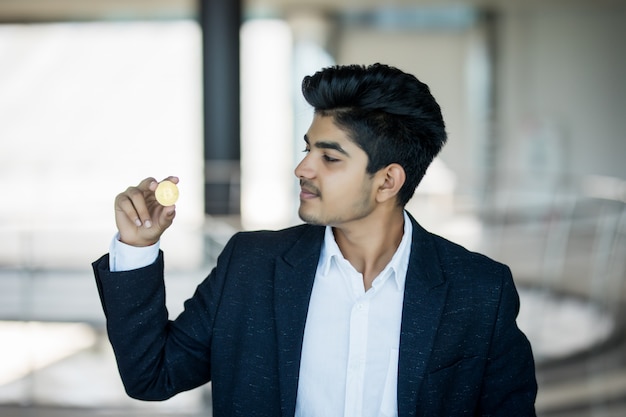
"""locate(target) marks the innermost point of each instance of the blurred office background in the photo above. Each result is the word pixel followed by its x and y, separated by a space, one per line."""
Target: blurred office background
pixel 95 96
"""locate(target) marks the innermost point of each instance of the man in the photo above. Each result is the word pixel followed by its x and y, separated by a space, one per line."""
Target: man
pixel 358 312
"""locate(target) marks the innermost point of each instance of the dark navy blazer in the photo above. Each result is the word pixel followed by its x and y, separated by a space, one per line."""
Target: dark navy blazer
pixel 461 352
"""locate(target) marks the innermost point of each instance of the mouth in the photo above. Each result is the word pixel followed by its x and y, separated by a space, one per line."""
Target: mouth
pixel 307 191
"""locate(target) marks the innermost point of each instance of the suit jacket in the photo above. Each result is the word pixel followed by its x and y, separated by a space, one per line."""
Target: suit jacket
pixel 461 352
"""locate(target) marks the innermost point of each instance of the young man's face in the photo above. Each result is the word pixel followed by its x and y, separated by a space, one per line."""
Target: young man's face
pixel 335 187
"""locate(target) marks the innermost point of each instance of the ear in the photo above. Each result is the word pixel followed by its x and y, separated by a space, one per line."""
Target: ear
pixel 392 178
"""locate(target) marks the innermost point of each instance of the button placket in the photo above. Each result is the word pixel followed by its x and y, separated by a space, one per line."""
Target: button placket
pixel 357 357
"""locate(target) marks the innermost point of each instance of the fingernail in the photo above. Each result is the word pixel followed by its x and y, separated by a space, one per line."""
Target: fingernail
pixel 148 224
pixel 138 222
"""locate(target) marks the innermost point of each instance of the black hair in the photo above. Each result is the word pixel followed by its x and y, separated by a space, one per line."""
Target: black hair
pixel 388 113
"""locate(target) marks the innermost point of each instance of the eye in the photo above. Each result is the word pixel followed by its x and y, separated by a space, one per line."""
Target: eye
pixel 330 159
pixel 306 150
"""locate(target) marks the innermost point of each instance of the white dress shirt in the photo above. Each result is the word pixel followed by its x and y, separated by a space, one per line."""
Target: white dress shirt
pixel 123 257
pixel 349 362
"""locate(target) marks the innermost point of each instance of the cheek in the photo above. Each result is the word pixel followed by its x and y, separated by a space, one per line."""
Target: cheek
pixel 341 190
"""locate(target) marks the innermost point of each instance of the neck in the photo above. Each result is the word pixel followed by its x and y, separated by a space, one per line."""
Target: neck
pixel 370 245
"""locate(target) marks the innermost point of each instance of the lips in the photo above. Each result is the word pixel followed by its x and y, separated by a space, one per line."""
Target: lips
pixel 308 191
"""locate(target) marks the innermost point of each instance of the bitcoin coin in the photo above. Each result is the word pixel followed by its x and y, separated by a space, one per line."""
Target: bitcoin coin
pixel 166 193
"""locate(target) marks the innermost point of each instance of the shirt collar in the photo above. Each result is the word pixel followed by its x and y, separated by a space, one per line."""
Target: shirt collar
pixel 399 262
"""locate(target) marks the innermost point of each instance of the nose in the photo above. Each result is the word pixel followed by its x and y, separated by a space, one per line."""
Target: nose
pixel 304 169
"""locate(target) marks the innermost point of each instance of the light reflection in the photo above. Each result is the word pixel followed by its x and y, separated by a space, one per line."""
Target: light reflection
pixel 560 326
pixel 31 346
pixel 88 109
pixel 266 128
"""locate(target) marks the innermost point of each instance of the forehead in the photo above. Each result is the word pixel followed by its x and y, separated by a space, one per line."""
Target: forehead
pixel 325 128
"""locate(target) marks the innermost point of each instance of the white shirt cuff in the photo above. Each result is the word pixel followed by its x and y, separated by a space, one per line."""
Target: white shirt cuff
pixel 123 257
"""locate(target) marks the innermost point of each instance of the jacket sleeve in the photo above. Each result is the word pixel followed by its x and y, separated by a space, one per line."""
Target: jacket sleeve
pixel 509 385
pixel 157 357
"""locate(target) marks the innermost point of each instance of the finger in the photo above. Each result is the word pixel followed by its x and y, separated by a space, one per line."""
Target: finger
pixel 148 184
pixel 171 178
pixel 167 217
pixel 124 204
pixel 138 199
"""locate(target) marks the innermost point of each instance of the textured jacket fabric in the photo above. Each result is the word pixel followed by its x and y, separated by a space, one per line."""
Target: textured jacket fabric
pixel 461 352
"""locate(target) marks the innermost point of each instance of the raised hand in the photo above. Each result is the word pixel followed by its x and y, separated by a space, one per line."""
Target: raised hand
pixel 140 219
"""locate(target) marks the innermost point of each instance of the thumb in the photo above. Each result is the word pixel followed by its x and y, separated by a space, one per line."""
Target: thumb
pixel 167 217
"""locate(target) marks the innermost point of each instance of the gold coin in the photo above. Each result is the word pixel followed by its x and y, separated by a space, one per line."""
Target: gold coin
pixel 166 193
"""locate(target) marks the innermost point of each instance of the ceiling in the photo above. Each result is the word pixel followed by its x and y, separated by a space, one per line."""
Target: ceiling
pixel 63 10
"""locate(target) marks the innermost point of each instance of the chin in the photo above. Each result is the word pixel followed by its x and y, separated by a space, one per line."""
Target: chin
pixel 309 219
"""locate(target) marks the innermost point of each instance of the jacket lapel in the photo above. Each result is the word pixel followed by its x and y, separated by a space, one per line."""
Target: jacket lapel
pixel 293 282
pixel 424 299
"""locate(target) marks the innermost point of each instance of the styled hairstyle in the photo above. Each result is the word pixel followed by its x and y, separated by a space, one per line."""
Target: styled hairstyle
pixel 388 113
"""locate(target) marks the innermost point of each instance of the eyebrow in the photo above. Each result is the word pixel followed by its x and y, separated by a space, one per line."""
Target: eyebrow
pixel 323 144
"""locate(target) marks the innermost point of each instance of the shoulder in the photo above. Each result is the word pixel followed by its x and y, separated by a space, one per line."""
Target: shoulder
pixel 455 256
pixel 457 264
pixel 267 242
pixel 250 255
